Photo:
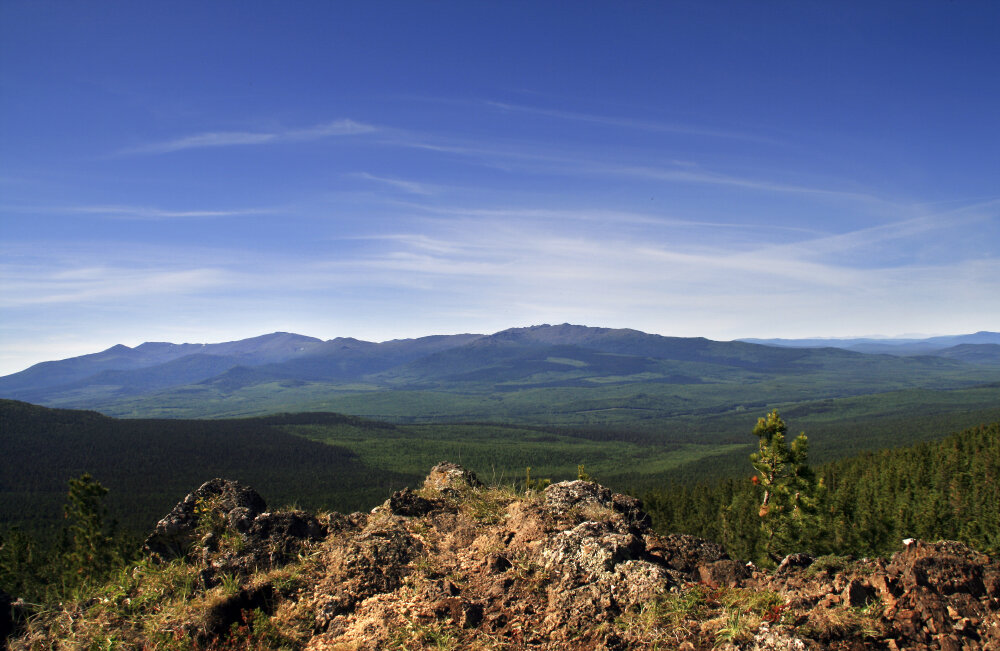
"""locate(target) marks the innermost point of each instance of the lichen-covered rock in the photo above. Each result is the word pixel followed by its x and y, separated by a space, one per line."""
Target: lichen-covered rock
pixel 563 496
pixel 588 551
pixel 768 639
pixel 639 581
pixel 631 508
pixel 339 523
pixel 451 478
pixel 934 591
pixel 929 596
pixel 946 567
pixel 566 496
pixel 223 526
pixel 357 568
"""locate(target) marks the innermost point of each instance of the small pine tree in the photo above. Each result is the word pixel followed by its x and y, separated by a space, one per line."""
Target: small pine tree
pixel 89 544
pixel 789 487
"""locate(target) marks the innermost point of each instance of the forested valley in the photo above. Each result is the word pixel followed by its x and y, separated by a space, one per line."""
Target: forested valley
pixel 59 537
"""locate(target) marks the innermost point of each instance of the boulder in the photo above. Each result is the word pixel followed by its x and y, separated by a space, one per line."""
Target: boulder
pixel 561 497
pixel 727 573
pixel 793 562
pixel 933 591
pixel 590 549
pixel 223 510
pixel 631 508
pixel 218 502
pixel 282 528
pixel 409 504
pixel 945 567
pixel 683 553
pixel 451 479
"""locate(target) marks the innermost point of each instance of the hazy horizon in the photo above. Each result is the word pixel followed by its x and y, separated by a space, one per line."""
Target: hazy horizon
pixel 211 172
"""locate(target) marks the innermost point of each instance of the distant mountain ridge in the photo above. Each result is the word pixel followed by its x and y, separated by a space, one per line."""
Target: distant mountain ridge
pixel 900 346
pixel 265 348
pixel 295 372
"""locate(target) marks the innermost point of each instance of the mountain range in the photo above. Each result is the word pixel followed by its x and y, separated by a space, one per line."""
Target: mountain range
pixel 466 375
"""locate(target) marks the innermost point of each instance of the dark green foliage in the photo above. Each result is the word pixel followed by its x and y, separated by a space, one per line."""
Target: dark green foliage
pixel 89 541
pixel 85 551
pixel 25 565
pixel 787 505
pixel 947 489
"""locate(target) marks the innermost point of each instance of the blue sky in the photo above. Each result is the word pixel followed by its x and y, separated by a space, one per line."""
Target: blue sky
pixel 201 172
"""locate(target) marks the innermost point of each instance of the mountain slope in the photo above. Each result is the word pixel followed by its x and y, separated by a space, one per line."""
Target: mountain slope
pixel 121 371
pixel 972 353
pixel 352 359
pixel 74 372
pixel 113 384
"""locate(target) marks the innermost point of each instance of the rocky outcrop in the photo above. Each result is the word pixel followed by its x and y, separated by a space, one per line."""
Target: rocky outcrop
pixel 226 525
pixel 549 570
pixel 215 504
pixel 939 595
pixel 928 596
pixel 576 566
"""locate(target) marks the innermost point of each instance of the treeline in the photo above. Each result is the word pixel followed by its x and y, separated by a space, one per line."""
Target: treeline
pixel 863 505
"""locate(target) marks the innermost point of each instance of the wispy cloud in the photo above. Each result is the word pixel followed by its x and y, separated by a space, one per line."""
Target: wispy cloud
pixel 149 213
pixel 86 285
pixel 411 187
pixel 511 269
pixel 688 175
pixel 628 123
pixel 493 269
pixel 138 213
pixel 929 229
pixel 536 159
pixel 614 218
pixel 344 127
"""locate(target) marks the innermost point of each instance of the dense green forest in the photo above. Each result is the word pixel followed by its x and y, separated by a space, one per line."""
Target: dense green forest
pixel 863 505
pixel 322 460
pixel 150 465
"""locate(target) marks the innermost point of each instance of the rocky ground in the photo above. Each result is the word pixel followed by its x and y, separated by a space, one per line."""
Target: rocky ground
pixel 456 565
